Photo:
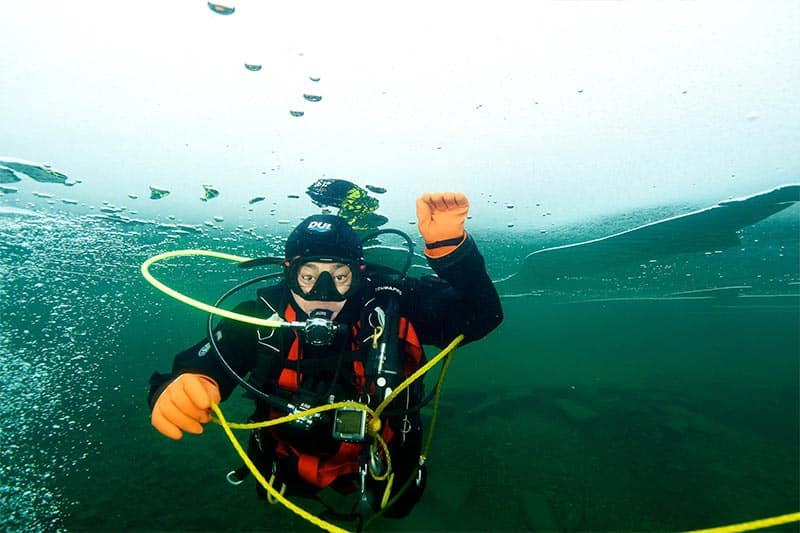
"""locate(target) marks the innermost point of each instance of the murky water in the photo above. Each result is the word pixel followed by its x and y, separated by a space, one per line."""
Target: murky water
pixel 622 399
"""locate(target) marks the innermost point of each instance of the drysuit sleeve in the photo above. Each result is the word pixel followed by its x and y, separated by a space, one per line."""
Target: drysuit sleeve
pixel 462 299
pixel 236 340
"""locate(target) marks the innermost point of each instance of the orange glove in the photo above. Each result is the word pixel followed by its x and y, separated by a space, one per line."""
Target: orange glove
pixel 185 404
pixel 440 217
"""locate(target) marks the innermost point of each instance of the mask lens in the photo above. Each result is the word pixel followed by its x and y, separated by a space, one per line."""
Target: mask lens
pixel 325 287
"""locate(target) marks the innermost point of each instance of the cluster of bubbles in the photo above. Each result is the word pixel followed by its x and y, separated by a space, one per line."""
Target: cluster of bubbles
pixel 68 299
pixel 225 10
pixel 28 499
pixel 63 301
pixel 308 98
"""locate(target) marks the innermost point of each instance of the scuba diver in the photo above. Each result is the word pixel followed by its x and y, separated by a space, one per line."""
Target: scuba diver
pixel 362 334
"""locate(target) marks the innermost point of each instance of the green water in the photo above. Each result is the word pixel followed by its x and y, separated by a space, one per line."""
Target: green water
pixel 601 405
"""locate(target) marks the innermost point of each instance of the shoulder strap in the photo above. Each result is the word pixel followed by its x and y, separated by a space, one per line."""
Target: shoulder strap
pixel 273 343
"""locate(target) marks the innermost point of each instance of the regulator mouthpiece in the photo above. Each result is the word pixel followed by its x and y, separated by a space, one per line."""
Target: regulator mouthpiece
pixel 319 329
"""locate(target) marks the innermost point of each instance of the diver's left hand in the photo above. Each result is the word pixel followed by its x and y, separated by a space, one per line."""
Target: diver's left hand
pixel 440 218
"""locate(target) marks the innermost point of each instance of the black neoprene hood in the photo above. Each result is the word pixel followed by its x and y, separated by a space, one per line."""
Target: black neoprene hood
pixel 321 237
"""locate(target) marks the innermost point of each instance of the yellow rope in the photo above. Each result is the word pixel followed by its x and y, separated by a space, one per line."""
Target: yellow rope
pixel 416 375
pixel 386 454
pixel 270 490
pixel 374 429
pixel 435 415
pixel 301 414
pixel 386 501
pixel 387 491
pixel 755 524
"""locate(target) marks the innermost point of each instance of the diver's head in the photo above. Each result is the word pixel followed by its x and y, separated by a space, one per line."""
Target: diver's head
pixel 323 263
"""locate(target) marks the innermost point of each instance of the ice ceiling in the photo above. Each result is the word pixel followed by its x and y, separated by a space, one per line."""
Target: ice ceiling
pixel 543 113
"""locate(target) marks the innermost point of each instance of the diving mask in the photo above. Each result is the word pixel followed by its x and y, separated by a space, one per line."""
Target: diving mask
pixel 323 285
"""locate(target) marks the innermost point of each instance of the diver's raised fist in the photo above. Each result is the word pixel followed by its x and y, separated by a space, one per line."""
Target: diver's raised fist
pixel 440 218
pixel 184 405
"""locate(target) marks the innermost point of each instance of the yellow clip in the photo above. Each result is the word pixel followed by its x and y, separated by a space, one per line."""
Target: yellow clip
pixel 270 499
pixel 374 426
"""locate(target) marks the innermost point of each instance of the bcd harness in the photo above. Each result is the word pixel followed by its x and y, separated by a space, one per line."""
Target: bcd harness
pixel 376 354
